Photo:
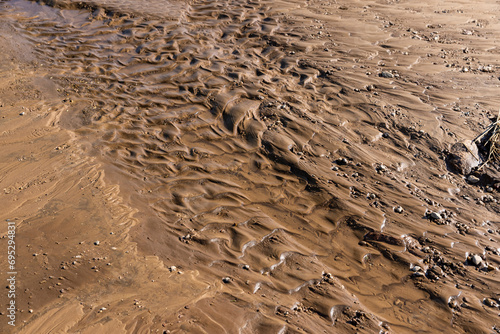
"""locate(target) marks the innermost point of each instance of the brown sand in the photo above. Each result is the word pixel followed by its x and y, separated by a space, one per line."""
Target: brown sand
pixel 246 167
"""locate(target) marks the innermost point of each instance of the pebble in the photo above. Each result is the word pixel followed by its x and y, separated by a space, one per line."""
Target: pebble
pixel 472 179
pixel 435 215
pixel 475 259
pixel 172 268
pixel 226 279
pixel 97 243
pixel 385 74
pixel 398 209
pixel 453 303
pixel 342 161
pixel 416 268
pixel 246 267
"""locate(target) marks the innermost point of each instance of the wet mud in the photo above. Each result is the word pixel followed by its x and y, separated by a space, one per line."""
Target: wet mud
pixel 249 166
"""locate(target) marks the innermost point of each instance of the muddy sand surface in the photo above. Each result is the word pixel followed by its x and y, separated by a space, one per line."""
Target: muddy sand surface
pixel 248 166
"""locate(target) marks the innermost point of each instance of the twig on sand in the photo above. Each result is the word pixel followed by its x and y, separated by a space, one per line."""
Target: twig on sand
pixel 493 131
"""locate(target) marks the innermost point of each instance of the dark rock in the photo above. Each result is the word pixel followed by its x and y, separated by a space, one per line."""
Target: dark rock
pixel 463 157
pixel 435 216
pixel 472 179
pixel 491 175
pixel 385 74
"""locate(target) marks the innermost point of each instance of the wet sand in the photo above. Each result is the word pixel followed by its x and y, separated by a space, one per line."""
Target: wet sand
pixel 248 166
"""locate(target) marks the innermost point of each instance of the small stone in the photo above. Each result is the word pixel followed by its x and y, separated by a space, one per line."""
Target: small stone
pixel 342 161
pixel 418 274
pixel 475 259
pixel 246 267
pixel 97 243
pixel 463 157
pixel 385 74
pixel 453 303
pixel 226 279
pixel 398 209
pixel 30 310
pixel 472 179
pixel 22 113
pixel 416 268
pixel 172 268
pixel 435 216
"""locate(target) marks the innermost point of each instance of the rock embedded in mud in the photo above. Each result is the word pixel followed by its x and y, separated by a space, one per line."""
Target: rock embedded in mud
pixel 398 209
pixel 381 168
pixel 416 268
pixel 463 157
pixel 453 303
pixel 386 74
pixel 342 161
pixel 435 216
pixel 226 280
pixel 472 179
pixel 475 259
